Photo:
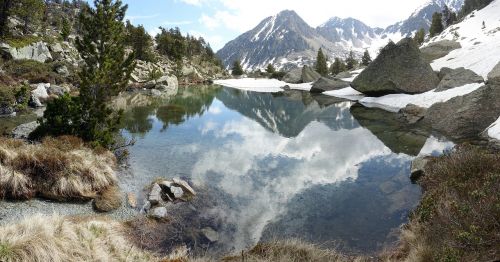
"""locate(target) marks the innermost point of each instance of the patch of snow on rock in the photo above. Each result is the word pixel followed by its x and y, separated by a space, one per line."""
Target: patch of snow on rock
pixel 494 130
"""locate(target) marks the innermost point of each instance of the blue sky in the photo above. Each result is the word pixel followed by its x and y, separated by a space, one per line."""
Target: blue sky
pixel 220 21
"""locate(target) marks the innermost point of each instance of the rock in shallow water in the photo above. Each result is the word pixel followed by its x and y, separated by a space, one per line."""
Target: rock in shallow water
pixel 158 213
pixel 154 195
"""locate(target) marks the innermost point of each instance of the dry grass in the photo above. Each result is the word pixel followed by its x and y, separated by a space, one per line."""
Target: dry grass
pixel 290 251
pixel 110 199
pixel 458 218
pixel 61 169
pixel 42 238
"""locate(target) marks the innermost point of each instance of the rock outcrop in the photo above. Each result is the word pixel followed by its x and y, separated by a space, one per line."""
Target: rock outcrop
pixel 305 74
pixel 438 49
pixel 466 116
pixel 399 68
pixel 36 51
pixel 23 131
pixel 326 84
pixel 494 75
pixel 451 78
pixel 163 192
pixel 412 113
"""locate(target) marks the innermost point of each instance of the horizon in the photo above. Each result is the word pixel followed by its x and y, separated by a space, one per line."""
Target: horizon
pixel 220 21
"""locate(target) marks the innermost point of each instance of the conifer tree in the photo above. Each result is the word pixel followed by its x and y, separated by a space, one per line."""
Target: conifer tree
pixel 337 66
pixel 30 12
pixel 419 36
pixel 5 10
pixel 437 24
pixel 351 61
pixel 270 69
pixel 65 29
pixel 140 41
pixel 105 72
pixel 366 59
pixel 237 70
pixel 321 66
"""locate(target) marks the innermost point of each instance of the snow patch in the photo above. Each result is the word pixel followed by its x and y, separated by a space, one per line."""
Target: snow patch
pixel 395 102
pixel 261 85
pixel 493 131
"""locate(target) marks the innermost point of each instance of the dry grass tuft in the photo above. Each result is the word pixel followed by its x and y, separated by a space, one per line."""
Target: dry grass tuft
pixel 110 199
pixel 54 238
pixel 458 217
pixel 290 251
pixel 58 168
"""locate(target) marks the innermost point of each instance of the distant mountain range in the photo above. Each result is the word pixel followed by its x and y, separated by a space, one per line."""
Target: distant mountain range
pixel 287 41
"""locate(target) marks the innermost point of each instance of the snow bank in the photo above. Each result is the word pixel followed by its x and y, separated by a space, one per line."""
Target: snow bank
pixel 261 85
pixel 395 102
pixel 480 50
pixel 346 93
pixel 494 130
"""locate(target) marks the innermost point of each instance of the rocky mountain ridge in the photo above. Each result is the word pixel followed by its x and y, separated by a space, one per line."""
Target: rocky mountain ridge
pixel 287 41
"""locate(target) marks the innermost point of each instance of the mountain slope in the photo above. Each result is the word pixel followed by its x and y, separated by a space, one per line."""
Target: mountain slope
pixel 283 37
pixel 287 41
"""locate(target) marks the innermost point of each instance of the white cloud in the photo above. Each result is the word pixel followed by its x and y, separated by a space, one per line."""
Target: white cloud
pixel 134 18
pixel 153 32
pixel 194 2
pixel 209 22
pixel 176 23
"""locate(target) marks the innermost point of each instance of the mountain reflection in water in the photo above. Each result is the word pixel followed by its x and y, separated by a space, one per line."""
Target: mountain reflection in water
pixel 280 165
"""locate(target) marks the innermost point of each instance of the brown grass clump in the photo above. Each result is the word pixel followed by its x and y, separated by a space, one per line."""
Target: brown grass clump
pixel 458 217
pixel 110 199
pixel 290 251
pixel 54 238
pixel 58 168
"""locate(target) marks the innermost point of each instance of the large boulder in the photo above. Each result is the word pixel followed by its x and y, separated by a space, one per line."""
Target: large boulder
pixel 36 51
pixel 326 84
pixel 294 76
pixel 309 75
pixel 399 68
pixel 23 131
pixel 494 75
pixel 451 78
pixel 38 95
pixel 438 49
pixel 305 74
pixel 466 116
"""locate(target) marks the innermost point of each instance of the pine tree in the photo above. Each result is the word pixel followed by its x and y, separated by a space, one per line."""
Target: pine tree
pixel 366 59
pixel 270 69
pixel 437 24
pixel 321 66
pixel 337 66
pixel 419 36
pixel 30 12
pixel 351 61
pixel 237 70
pixel 140 41
pixel 66 29
pixel 105 72
pixel 5 11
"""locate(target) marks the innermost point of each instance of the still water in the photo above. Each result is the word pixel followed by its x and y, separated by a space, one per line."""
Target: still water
pixel 282 165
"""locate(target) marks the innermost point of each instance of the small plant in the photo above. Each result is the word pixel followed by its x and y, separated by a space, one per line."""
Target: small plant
pixel 5 252
pixel 155 74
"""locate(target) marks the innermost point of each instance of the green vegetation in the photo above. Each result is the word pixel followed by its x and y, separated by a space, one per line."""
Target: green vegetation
pixel 65 29
pixel 366 59
pixel 457 219
pixel 5 11
pixel 351 61
pixel 174 45
pixel 237 70
pixel 106 72
pixel 471 5
pixel 449 17
pixel 437 24
pixel 270 69
pixel 30 12
pixel 321 66
pixel 140 41
pixel 33 71
pixel 419 36
pixel 338 66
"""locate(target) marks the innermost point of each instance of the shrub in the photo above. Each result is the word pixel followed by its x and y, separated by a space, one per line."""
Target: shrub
pixel 457 219
pixel 33 71
pixel 108 200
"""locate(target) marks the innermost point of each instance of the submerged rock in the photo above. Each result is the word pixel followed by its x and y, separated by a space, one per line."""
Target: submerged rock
pixel 158 213
pixel 210 234
pixel 399 68
pixel 451 78
pixel 412 113
pixel 326 84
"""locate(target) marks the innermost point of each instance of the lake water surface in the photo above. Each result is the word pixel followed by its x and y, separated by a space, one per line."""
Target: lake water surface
pixel 280 165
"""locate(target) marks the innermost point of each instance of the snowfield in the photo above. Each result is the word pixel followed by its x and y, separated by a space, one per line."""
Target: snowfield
pixel 494 130
pixel 480 50
pixel 261 85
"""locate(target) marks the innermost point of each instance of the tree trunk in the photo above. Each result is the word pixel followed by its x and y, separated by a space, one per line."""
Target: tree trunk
pixel 4 16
